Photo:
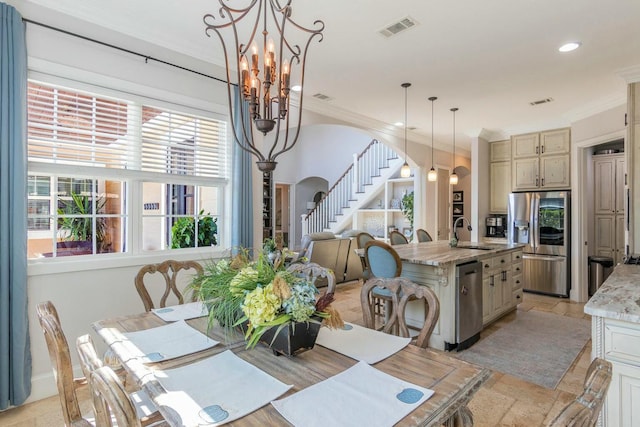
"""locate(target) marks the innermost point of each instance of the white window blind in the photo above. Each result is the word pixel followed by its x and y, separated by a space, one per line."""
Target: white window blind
pixel 75 128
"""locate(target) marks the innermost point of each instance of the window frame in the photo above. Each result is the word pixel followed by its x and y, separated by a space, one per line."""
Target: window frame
pixel 133 180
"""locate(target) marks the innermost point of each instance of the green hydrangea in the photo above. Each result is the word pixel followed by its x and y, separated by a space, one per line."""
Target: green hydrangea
pixel 261 305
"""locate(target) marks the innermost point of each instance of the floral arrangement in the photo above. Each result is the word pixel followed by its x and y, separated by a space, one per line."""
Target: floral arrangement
pixel 261 294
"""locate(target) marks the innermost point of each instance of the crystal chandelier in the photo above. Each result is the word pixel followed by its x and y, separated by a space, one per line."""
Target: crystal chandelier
pixel 263 73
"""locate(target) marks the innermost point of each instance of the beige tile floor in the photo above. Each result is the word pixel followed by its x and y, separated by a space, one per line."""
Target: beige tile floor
pixel 503 400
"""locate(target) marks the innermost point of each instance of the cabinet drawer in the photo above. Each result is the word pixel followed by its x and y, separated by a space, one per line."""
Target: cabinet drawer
pixel 516 256
pixel 502 262
pixel 516 297
pixel 622 341
pixel 487 264
pixel 516 268
pixel 516 282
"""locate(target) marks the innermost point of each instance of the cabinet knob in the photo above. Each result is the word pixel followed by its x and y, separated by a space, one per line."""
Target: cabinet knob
pixel 502 261
pixel 517 282
pixel 517 296
pixel 486 266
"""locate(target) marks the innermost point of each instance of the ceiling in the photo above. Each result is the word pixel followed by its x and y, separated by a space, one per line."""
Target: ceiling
pixel 490 58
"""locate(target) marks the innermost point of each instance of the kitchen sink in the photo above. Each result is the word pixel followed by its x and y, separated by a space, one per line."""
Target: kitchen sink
pixel 480 248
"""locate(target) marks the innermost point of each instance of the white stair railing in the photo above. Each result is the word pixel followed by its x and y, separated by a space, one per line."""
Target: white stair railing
pixel 361 172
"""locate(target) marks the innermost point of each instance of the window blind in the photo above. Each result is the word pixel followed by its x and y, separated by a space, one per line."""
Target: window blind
pixel 76 128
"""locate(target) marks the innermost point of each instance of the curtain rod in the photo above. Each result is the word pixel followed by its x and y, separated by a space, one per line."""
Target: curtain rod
pixel 146 57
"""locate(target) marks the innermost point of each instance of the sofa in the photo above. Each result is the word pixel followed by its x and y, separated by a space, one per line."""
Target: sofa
pixel 334 252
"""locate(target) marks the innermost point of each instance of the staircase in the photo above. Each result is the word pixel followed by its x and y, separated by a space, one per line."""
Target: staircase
pixel 357 186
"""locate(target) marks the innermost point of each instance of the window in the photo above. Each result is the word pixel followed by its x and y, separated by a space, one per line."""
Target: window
pixel 97 165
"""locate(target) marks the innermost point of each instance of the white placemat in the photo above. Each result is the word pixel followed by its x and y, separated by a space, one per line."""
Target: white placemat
pixel 166 342
pixel 360 343
pixel 359 396
pixel 217 390
pixel 181 312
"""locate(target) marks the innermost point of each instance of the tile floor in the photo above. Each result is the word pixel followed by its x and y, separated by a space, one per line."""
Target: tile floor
pixel 502 401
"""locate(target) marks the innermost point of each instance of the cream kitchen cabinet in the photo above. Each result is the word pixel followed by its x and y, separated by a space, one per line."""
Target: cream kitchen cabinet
pixel 541 160
pixel 499 176
pixel 501 284
pixel 609 172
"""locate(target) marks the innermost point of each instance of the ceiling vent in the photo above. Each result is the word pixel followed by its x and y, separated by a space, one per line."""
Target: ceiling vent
pixel 398 27
pixel 322 97
pixel 541 101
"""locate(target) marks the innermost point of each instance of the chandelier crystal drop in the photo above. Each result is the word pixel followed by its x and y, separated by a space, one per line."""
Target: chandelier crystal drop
pixel 405 171
pixel 263 63
pixel 432 175
pixel 453 178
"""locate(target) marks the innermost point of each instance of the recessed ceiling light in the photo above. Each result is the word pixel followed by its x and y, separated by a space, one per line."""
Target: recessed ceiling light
pixel 296 88
pixel 568 47
pixel 399 124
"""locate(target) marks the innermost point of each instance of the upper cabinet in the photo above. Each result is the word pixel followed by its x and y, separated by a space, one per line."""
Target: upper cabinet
pixel 500 176
pixel 541 160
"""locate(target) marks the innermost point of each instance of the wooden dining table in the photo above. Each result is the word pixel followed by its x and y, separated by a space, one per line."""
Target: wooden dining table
pixel 453 381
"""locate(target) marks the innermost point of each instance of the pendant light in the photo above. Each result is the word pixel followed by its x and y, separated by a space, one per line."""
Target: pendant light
pixel 432 175
pixel 453 178
pixel 405 171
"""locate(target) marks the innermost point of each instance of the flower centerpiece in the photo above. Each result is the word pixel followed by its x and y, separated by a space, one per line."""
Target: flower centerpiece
pixel 263 298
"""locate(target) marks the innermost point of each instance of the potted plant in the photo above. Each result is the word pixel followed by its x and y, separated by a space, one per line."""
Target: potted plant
pixel 407 207
pixel 76 223
pixel 270 248
pixel 183 231
pixel 270 303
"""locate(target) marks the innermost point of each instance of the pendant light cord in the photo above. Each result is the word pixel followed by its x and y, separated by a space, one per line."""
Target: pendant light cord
pixel 433 98
pixel 405 122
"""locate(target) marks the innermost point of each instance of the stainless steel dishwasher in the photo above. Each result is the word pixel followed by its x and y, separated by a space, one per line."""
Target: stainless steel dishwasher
pixel 468 305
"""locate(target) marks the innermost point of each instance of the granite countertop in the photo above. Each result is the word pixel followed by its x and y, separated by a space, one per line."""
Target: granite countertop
pixel 439 253
pixel 619 296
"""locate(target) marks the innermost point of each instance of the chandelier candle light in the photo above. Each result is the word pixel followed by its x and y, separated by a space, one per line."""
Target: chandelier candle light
pixel 453 178
pixel 432 175
pixel 405 171
pixel 263 77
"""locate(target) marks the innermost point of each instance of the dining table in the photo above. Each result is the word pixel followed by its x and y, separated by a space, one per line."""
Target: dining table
pixel 452 380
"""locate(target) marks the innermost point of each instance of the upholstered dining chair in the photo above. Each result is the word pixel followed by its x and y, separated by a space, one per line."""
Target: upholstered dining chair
pixel 383 262
pixel 61 363
pixel 585 409
pixel 397 238
pixel 169 270
pixel 423 235
pixel 144 409
pixel 402 290
pixel 361 240
pixel 314 272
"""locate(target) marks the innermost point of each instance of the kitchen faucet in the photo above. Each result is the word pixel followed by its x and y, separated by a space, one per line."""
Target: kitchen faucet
pixel 454 239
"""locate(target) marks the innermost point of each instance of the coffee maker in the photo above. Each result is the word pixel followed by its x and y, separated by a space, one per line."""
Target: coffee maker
pixel 496 225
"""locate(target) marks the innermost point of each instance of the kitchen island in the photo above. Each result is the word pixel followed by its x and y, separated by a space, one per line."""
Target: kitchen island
pixel 434 264
pixel 615 334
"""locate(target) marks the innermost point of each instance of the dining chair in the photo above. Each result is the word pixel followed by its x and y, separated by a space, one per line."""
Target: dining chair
pixel 423 235
pixel 361 240
pixel 169 270
pixel 113 398
pixel 61 363
pixel 402 290
pixel 314 271
pixel 585 409
pixel 383 262
pixel 145 410
pixel 397 238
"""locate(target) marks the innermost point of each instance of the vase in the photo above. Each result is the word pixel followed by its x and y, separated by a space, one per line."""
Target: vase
pixel 294 338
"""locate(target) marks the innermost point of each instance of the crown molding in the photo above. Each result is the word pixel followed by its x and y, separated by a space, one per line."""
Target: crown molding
pixel 630 74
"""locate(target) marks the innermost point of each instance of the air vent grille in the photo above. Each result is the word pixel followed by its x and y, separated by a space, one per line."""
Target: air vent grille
pixel 322 97
pixel 541 101
pixel 397 27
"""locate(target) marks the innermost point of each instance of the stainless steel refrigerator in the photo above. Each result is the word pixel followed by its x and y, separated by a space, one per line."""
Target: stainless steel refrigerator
pixel 541 220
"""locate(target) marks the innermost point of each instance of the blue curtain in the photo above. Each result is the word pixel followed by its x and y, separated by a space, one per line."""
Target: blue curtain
pixel 242 198
pixel 15 351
